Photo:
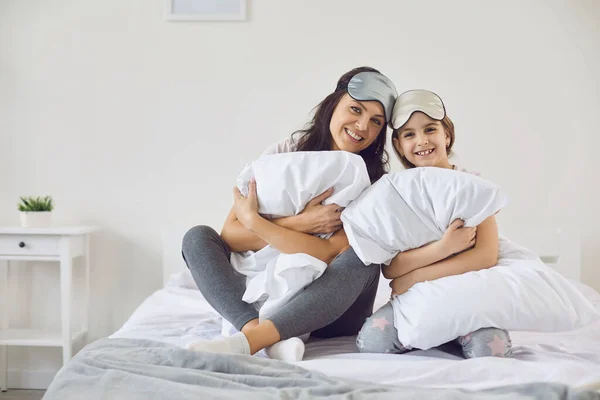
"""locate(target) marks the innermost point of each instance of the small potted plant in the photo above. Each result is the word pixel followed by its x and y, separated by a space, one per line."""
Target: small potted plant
pixel 36 212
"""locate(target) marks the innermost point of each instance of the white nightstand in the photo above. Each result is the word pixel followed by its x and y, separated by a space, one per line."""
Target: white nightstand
pixel 61 244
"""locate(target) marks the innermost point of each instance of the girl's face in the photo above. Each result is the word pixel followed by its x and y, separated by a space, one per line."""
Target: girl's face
pixel 423 141
pixel 355 124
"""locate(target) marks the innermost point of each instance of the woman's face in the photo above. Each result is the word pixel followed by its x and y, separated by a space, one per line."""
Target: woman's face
pixel 423 141
pixel 354 125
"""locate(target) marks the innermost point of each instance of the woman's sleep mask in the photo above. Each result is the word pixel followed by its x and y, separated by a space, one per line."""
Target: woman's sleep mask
pixel 373 86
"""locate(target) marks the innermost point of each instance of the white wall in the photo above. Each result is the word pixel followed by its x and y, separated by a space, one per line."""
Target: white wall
pixel 136 124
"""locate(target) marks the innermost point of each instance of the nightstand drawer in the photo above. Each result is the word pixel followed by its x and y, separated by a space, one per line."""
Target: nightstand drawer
pixel 36 245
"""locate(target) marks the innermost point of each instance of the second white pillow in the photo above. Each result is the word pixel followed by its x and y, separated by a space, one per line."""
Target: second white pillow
pixel 406 210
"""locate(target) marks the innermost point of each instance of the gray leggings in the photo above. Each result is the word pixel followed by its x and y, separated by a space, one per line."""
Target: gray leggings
pixel 378 335
pixel 336 304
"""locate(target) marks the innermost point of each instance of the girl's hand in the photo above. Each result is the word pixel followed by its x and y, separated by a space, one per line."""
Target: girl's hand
pixel 246 208
pixel 318 218
pixel 458 238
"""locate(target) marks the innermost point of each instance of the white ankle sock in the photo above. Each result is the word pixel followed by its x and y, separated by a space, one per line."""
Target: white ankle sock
pixel 288 350
pixel 234 344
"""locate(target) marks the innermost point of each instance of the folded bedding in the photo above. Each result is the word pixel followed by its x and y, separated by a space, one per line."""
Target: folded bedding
pixel 138 369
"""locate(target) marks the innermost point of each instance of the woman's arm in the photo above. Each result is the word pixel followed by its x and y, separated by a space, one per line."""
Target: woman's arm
pixel 315 218
pixel 237 237
pixel 283 239
pixel 483 255
pixel 289 242
pixel 455 239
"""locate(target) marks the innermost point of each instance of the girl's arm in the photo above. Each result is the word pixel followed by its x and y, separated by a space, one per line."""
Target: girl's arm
pixel 408 261
pixel 455 239
pixel 483 255
pixel 285 240
pixel 315 218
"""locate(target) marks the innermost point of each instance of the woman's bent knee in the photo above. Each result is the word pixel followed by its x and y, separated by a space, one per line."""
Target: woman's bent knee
pixel 200 245
pixel 197 235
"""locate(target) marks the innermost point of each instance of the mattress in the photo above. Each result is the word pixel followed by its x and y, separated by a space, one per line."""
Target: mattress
pixel 178 314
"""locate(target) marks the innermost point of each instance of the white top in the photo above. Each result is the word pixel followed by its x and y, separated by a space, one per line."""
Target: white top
pixel 286 145
pixel 51 230
pixel 457 168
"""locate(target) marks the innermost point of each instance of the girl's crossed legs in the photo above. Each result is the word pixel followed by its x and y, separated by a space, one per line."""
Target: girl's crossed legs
pixel 378 335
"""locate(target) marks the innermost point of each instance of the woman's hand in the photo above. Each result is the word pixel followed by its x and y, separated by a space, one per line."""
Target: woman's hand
pixel 318 218
pixel 246 208
pixel 458 238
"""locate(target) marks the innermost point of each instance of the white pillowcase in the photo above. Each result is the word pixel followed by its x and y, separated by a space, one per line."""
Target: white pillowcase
pixel 286 182
pixel 408 209
pixel 516 295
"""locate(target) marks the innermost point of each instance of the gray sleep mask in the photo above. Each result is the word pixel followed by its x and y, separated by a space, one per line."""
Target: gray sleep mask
pixel 373 86
pixel 412 101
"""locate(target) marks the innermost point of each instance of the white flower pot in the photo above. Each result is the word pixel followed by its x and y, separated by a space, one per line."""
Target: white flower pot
pixel 36 219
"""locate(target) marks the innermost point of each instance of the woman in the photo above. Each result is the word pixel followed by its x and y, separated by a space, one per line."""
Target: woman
pixel 353 118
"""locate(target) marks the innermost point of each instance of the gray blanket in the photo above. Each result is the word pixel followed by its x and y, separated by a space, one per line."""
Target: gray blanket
pixel 132 369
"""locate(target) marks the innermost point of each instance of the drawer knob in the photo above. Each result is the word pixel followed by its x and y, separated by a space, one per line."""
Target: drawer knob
pixel 21 244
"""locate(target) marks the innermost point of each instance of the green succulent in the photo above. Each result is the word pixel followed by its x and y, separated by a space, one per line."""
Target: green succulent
pixel 35 204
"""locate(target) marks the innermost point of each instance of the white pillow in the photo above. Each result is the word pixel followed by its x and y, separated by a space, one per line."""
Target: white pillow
pixel 286 182
pixel 408 209
pixel 183 280
pixel 517 295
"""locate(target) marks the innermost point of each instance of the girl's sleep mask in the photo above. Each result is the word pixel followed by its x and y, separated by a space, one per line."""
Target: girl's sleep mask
pixel 373 86
pixel 417 100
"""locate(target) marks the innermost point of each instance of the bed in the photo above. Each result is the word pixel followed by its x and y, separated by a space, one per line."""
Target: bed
pixel 146 358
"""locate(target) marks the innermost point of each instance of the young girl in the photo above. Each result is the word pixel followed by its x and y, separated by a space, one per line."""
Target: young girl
pixel 353 118
pixel 423 136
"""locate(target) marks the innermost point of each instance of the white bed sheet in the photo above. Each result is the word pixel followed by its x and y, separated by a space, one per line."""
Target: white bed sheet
pixel 181 315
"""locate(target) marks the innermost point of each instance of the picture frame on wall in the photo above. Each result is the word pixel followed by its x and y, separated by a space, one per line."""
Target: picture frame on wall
pixel 205 10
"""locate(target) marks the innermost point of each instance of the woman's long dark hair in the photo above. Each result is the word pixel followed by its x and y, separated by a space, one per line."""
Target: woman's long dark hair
pixel 317 136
